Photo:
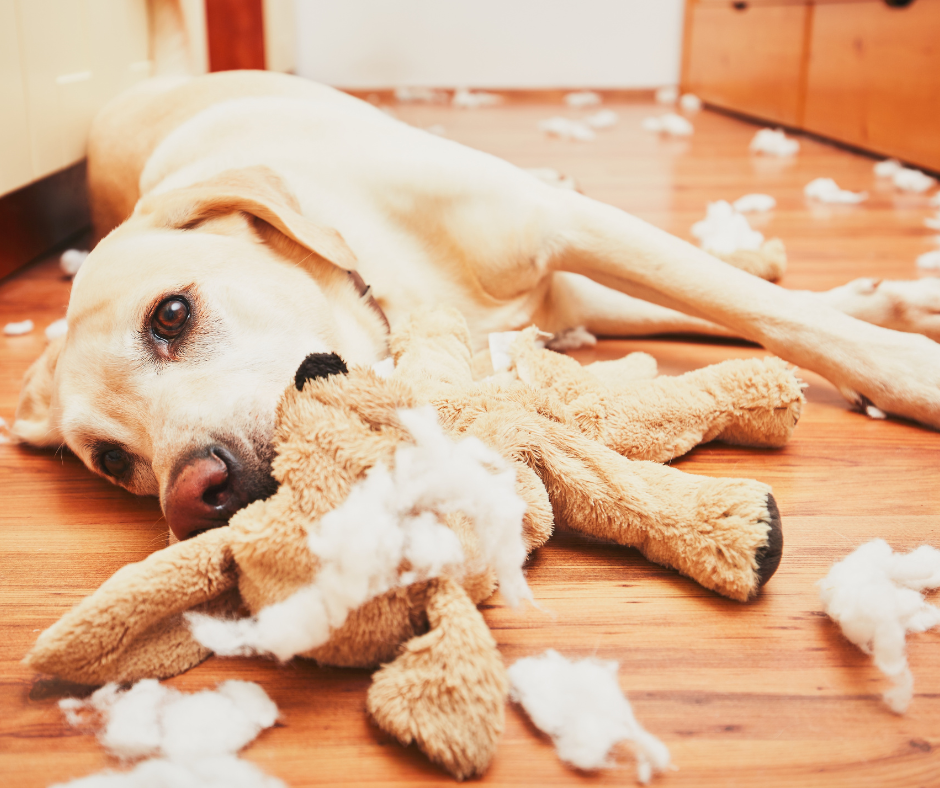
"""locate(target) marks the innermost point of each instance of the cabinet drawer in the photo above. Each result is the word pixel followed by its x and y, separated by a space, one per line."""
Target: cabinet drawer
pixel 874 78
pixel 748 57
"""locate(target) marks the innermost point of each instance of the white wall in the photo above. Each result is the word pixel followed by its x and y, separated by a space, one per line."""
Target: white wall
pixel 490 43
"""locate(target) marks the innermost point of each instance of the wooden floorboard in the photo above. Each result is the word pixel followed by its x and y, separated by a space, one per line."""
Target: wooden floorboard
pixel 766 694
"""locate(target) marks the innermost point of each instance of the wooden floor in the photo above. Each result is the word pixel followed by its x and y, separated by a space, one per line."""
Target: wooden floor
pixel 762 694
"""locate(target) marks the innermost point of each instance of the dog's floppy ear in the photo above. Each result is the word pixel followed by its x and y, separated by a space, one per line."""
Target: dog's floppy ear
pixel 257 191
pixel 33 422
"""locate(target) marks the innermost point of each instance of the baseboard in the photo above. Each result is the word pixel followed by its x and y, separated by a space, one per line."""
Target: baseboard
pixel 41 216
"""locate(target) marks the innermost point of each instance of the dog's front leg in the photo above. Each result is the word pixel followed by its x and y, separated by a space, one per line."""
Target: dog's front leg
pixel 897 372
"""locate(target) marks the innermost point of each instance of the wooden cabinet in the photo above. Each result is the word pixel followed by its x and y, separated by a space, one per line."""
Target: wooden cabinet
pixel 857 71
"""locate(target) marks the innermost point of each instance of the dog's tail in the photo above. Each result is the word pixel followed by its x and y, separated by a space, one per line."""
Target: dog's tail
pixel 177 37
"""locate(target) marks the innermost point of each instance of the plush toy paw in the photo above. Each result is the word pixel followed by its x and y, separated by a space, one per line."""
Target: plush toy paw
pixel 447 690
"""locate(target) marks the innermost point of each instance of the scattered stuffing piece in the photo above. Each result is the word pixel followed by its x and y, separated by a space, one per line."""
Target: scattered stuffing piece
pixel 670 123
pixel 191 740
pixel 571 339
pixel 755 203
pixel 18 329
pixel 724 230
pixel 583 98
pixel 908 180
pixel 875 595
pixel 667 95
pixel 419 95
pixel 567 129
pixel 875 413
pixel 581 706
pixel 437 129
pixel 57 329
pixel 690 102
pixel 604 119
pixel 4 431
pixel 773 142
pixel 933 222
pixel 388 518
pixel 464 99
pixel 887 168
pixel 929 261
pixel 827 190
pixel 71 260
pixel 553 178
pixel 384 368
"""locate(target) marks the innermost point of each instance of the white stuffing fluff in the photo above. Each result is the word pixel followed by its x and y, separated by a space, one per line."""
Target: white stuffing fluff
pixel 190 739
pixel 604 119
pixel 929 261
pixel 57 329
pixel 419 95
pixel 582 98
pixel 724 230
pixel 71 260
pixel 667 95
pixel 18 329
pixel 876 597
pixel 4 431
pixel 389 517
pixel 465 99
pixel 384 368
pixel 908 180
pixel 571 339
pixel 773 142
pixel 567 129
pixel 552 177
pixel 827 190
pixel 887 168
pixel 689 102
pixel 755 203
pixel 581 706
pixel 670 123
pixel 875 413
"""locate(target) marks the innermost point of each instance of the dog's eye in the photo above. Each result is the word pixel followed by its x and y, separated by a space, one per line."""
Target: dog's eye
pixel 114 462
pixel 170 317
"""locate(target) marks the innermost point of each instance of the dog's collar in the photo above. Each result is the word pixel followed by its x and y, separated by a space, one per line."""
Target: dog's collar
pixel 365 292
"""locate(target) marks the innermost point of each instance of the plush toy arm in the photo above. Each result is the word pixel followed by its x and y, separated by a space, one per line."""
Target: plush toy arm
pixel 447 690
pixel 132 627
pixel 432 351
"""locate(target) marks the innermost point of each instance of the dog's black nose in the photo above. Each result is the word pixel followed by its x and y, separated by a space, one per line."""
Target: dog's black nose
pixel 319 365
pixel 205 492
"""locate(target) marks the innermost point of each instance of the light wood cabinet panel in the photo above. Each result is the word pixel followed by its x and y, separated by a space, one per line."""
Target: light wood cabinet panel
pixel 748 59
pixel 874 78
pixel 15 164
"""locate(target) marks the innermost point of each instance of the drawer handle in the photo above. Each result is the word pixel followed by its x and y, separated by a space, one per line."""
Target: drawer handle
pixel 739 5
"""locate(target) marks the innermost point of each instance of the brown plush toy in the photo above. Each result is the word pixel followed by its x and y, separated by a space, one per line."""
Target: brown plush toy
pixel 585 445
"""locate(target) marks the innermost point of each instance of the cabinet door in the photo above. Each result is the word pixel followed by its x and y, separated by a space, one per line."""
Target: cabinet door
pixel 748 57
pixel 16 168
pixel 874 78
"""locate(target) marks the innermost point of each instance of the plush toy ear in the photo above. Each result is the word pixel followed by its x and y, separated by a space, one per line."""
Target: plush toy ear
pixel 132 626
pixel 257 191
pixel 319 365
pixel 33 422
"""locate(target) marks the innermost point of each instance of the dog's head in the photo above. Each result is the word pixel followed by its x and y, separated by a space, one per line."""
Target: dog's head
pixel 185 325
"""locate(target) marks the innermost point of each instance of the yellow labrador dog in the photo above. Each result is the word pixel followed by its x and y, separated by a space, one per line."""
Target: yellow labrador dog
pixel 233 208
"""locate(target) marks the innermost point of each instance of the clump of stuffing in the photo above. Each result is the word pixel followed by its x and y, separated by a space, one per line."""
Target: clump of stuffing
pixel 465 99
pixel 929 261
pixel 567 129
pixel 18 329
pixel 388 518
pixel 571 339
pixel 670 123
pixel 827 190
pixel 71 260
pixel 689 102
pixel 909 180
pixel 876 597
pixel 887 168
pixel 582 98
pixel 875 413
pixel 755 203
pixel 419 95
pixel 188 739
pixel 724 230
pixel 581 706
pixel 667 95
pixel 773 142
pixel 604 119
pixel 57 329
pixel 552 177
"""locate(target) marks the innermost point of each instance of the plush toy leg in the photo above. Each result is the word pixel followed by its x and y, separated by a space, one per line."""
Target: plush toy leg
pixel 447 689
